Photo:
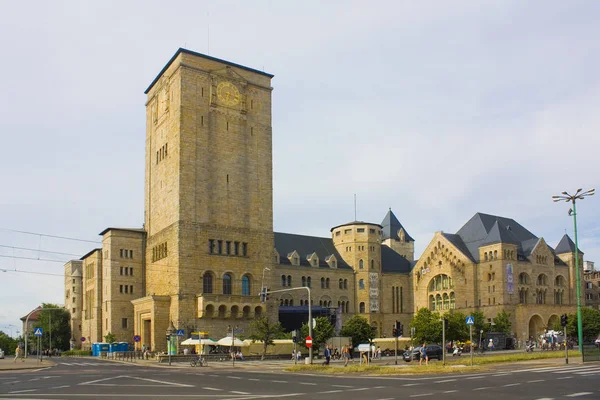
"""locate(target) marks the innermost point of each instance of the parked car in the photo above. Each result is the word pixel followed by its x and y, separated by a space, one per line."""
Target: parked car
pixel 432 350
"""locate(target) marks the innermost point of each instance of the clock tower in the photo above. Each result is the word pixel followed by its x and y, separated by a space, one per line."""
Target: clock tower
pixel 208 196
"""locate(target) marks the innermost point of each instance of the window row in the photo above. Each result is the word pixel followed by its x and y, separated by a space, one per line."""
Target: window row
pixel 541 259
pixel 440 282
pixel 226 284
pixel 446 301
pixel 232 312
pixel 125 253
pixel 90 270
pixel 489 255
pixel 397 299
pixel 161 154
pixel 361 264
pixel 227 247
pixel 540 296
pixel 159 252
pixel 126 289
pixel 127 271
pixel 541 280
pixel 358 230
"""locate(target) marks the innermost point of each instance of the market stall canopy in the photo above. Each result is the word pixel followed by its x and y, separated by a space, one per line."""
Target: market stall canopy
pixel 204 342
pixel 228 341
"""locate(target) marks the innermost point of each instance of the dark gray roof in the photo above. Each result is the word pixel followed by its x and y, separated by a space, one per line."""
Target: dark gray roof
pixel 484 229
pixel 354 223
pixel 391 226
pixel 566 245
pixel 286 243
pixel 459 244
pixel 392 262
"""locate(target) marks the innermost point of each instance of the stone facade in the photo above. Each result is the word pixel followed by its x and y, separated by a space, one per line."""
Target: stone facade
pixel 591 280
pixel 74 299
pixel 207 246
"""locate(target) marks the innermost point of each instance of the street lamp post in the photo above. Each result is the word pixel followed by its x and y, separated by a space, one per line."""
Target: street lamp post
pixel 579 195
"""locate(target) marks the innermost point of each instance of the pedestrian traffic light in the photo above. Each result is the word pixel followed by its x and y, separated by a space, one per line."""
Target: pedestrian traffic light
pixel 564 320
pixel 446 324
pixel 400 329
pixel 295 336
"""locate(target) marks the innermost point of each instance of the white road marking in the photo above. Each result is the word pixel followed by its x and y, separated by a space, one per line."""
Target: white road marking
pixel 421 395
pixel 210 388
pixel 412 384
pixel 565 377
pixel 233 377
pixel 578 394
pixel 9 383
pixel 60 387
pixel 253 379
pixel 482 388
pixel 331 391
pixel 342 386
pixel 511 384
pixel 574 370
pixel 476 377
pixel 236 392
pixel 545 398
pixel 23 391
pixel 450 391
pixel 389 398
pixel 502 374
pixel 308 383
pixel 97 382
pixel 446 380
pixel 587 372
pixel 537 380
pixel 279 381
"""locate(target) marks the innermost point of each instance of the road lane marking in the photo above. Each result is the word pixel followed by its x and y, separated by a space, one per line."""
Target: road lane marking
pixel 97 382
pixel 331 391
pixel 308 383
pixel 565 377
pixel 511 384
pixel 236 392
pixel 476 377
pixel 211 388
pixel 537 380
pixel 446 380
pixel 60 387
pixel 9 383
pixel 412 384
pixel 502 374
pixel 23 391
pixel 253 379
pixel 578 394
pixel 342 386
pixel 233 377
pixel 389 398
pixel 421 395
pixel 450 391
pixel 482 388
pixel 357 390
pixel 279 381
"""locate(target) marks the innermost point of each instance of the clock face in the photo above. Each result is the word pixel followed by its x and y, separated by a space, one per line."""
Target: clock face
pixel 228 93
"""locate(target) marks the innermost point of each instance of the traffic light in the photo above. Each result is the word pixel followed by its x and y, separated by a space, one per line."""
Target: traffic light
pixel 295 336
pixel 394 332
pixel 400 329
pixel 446 324
pixel 564 320
pixel 264 296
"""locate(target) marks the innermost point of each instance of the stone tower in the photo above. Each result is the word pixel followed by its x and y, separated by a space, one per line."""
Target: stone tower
pixel 208 196
pixel 396 237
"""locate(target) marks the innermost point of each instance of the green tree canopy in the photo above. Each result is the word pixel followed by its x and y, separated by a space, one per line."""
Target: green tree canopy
pixel 428 326
pixel 262 329
pixel 458 330
pixel 55 323
pixel 7 344
pixel 502 322
pixel 322 332
pixel 590 323
pixel 359 330
pixel 109 338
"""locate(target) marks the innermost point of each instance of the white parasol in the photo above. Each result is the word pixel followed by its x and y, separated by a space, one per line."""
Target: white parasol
pixel 228 341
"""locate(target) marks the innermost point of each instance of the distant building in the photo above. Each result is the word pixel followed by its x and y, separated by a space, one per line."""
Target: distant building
pixel 207 245
pixel 32 320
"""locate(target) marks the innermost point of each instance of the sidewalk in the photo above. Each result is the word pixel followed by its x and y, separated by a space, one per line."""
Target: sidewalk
pixel 7 364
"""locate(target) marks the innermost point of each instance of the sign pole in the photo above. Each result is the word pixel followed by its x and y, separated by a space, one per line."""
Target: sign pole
pixel 443 341
pixel 396 351
pixel 471 342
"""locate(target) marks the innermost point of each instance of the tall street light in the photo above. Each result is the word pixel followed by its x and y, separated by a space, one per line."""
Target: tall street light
pixel 571 198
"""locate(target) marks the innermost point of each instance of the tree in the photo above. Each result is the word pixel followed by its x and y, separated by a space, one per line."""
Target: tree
pixel 60 329
pixel 479 323
pixel 428 327
pixel 458 330
pixel 359 330
pixel 109 338
pixel 7 343
pixel 502 322
pixel 590 319
pixel 266 331
pixel 322 332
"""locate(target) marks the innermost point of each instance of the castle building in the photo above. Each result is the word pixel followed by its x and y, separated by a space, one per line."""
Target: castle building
pixel 207 246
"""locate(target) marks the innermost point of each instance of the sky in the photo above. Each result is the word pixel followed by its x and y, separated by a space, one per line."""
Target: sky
pixel 436 109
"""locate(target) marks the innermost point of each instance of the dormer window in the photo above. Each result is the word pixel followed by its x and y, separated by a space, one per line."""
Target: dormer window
pixel 294 258
pixel 313 259
pixel 331 261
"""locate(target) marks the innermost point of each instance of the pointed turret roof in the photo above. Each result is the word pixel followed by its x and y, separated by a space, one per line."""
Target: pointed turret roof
pixel 391 226
pixel 566 245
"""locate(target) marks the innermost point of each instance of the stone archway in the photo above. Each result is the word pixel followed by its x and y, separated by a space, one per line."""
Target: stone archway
pixel 536 326
pixel 553 320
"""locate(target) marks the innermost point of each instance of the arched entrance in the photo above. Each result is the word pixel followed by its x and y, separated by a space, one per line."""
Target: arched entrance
pixel 536 326
pixel 553 320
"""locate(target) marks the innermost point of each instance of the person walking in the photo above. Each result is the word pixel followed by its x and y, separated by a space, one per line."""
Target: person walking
pixel 423 355
pixel 18 355
pixel 346 355
pixel 327 355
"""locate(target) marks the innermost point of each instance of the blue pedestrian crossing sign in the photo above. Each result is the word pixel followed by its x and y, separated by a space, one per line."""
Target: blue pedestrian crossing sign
pixel 470 320
pixel 180 332
pixel 38 331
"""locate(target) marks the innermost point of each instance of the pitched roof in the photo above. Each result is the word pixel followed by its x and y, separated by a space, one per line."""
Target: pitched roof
pixel 459 244
pixel 566 245
pixel 392 262
pixel 485 229
pixel 391 226
pixel 286 243
pixel 33 316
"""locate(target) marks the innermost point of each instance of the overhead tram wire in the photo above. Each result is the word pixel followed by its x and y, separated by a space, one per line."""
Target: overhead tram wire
pixel 42 251
pixel 50 236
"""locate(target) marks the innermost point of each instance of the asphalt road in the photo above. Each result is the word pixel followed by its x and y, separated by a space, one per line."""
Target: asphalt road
pixel 74 378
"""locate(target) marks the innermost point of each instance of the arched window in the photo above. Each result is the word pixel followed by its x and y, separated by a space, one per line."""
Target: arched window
pixel 280 302
pixel 303 281
pixel 301 303
pixel 495 254
pixel 308 282
pixel 372 264
pixel 289 281
pixel 341 283
pixel 327 283
pixel 245 285
pixel 431 302
pixel 283 280
pixel 486 256
pixel 559 281
pixel 446 300
pixel 291 302
pixel 226 284
pixel 361 284
pixel 542 280
pixel 322 283
pixel 523 296
pixel 207 283
pixel 345 283
pixel 452 301
pixel 361 264
pixel 361 308
pixel 523 278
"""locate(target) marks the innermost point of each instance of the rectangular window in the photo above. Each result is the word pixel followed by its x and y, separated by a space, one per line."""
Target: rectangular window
pixel 338 233
pixel 131 289
pixel 166 148
pixel 73 311
pixel 244 249
pixel 124 323
pixel 120 288
pixel 371 230
pixel 131 271
pixel 347 231
pixel 73 289
pixel 360 230
pixel 121 271
pixel 228 247
pixel 220 246
pixel 211 246
pixel 236 248
pixel 202 120
pixel 121 252
pixel 73 280
pixel 126 289
pixel 74 299
pixel 130 253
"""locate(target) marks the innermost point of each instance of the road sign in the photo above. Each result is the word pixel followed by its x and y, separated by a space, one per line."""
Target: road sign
pixel 38 331
pixel 363 348
pixel 470 320
pixel 137 338
pixel 314 323
pixel 82 339
pixel 308 342
pixel 180 332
